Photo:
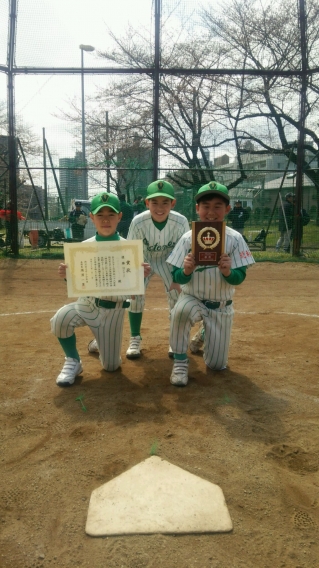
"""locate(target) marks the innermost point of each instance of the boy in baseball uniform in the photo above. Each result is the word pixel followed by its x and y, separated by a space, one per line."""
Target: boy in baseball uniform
pixel 207 291
pixel 105 316
pixel 160 228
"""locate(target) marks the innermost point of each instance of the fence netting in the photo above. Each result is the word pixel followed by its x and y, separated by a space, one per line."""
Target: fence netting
pixel 227 107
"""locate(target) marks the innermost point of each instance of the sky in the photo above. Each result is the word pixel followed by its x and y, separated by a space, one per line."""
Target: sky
pixel 49 33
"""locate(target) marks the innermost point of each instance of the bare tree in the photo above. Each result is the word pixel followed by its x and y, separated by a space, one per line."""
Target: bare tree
pixel 189 109
pixel 202 113
pixel 189 122
pixel 265 36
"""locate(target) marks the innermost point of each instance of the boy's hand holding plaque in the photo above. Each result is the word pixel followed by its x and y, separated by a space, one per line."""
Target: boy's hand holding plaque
pixel 208 241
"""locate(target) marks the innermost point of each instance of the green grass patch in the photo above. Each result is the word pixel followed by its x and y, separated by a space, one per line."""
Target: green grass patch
pixel 29 253
pixel 271 255
pixel 309 250
pixel 310 234
pixel 154 448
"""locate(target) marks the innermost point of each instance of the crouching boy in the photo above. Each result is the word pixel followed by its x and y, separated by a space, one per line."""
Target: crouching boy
pixel 207 291
pixel 159 228
pixel 104 316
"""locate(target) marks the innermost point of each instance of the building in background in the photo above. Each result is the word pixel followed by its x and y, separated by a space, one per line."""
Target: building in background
pixel 259 168
pixel 71 179
pixel 221 161
pixel 134 169
pixel 268 196
pixel 207 163
pixel 4 169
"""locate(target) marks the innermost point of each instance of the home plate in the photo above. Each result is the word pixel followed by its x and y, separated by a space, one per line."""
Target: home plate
pixel 156 496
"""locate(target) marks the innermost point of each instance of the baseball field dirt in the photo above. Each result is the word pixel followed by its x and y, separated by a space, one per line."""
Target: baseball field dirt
pixel 252 429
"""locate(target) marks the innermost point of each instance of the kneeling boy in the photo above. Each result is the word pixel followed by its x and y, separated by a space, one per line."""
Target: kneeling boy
pixel 207 291
pixel 104 316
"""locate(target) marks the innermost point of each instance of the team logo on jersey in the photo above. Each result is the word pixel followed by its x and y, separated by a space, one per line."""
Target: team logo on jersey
pixel 208 238
pixel 160 185
pixel 104 197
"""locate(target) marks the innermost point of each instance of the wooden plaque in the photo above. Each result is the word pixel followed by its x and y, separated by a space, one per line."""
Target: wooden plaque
pixel 208 241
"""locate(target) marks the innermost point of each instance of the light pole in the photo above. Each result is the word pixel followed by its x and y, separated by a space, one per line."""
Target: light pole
pixel 84 171
pixel 107 139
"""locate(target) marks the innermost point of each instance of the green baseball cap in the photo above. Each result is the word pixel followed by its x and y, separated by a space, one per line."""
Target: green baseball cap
pixel 212 188
pixel 105 200
pixel 160 188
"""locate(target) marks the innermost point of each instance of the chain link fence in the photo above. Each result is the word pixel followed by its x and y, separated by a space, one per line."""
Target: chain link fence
pixel 170 91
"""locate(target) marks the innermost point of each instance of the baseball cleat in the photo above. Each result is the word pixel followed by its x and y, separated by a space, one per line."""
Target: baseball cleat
pixel 71 369
pixel 134 350
pixel 197 340
pixel 179 376
pixel 93 346
pixel 170 353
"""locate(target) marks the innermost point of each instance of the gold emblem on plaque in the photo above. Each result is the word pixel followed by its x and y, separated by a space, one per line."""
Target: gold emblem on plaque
pixel 208 238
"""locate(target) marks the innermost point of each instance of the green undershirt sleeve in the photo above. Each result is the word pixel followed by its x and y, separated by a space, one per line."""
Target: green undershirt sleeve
pixel 179 276
pixel 237 276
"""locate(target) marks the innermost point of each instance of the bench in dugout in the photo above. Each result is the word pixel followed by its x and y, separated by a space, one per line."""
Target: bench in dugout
pixel 259 242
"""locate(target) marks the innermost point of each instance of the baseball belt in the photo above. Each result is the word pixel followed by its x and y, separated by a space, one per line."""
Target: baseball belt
pixel 215 305
pixel 108 305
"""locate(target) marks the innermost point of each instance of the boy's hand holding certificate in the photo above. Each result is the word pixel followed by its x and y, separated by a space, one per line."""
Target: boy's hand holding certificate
pixel 108 268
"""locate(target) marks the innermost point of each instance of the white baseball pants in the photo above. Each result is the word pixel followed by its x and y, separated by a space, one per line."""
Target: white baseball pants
pixel 105 324
pixel 217 323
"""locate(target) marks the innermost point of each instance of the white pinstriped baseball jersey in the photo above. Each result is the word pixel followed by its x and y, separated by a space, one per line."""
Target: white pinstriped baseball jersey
pixel 207 282
pixel 157 245
pixel 105 324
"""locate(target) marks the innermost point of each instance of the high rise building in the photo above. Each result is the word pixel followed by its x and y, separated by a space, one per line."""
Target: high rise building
pixel 71 179
pixel 134 169
pixel 206 163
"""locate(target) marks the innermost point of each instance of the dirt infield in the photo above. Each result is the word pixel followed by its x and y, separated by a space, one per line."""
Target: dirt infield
pixel 252 429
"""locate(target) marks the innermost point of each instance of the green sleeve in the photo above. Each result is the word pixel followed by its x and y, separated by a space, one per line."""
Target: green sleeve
pixel 237 276
pixel 179 276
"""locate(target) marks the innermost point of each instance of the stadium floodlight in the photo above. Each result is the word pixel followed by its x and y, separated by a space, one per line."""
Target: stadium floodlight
pixel 84 171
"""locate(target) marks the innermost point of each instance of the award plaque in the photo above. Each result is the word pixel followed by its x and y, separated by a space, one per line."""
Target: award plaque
pixel 208 241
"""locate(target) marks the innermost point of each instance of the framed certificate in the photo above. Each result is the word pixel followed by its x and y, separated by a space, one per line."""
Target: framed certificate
pixel 104 268
pixel 208 241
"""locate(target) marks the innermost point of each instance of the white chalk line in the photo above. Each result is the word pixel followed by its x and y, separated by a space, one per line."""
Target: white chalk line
pixel 281 313
pixel 166 309
pixel 28 313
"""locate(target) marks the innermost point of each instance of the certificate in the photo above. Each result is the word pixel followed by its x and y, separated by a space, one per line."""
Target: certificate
pixel 104 268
